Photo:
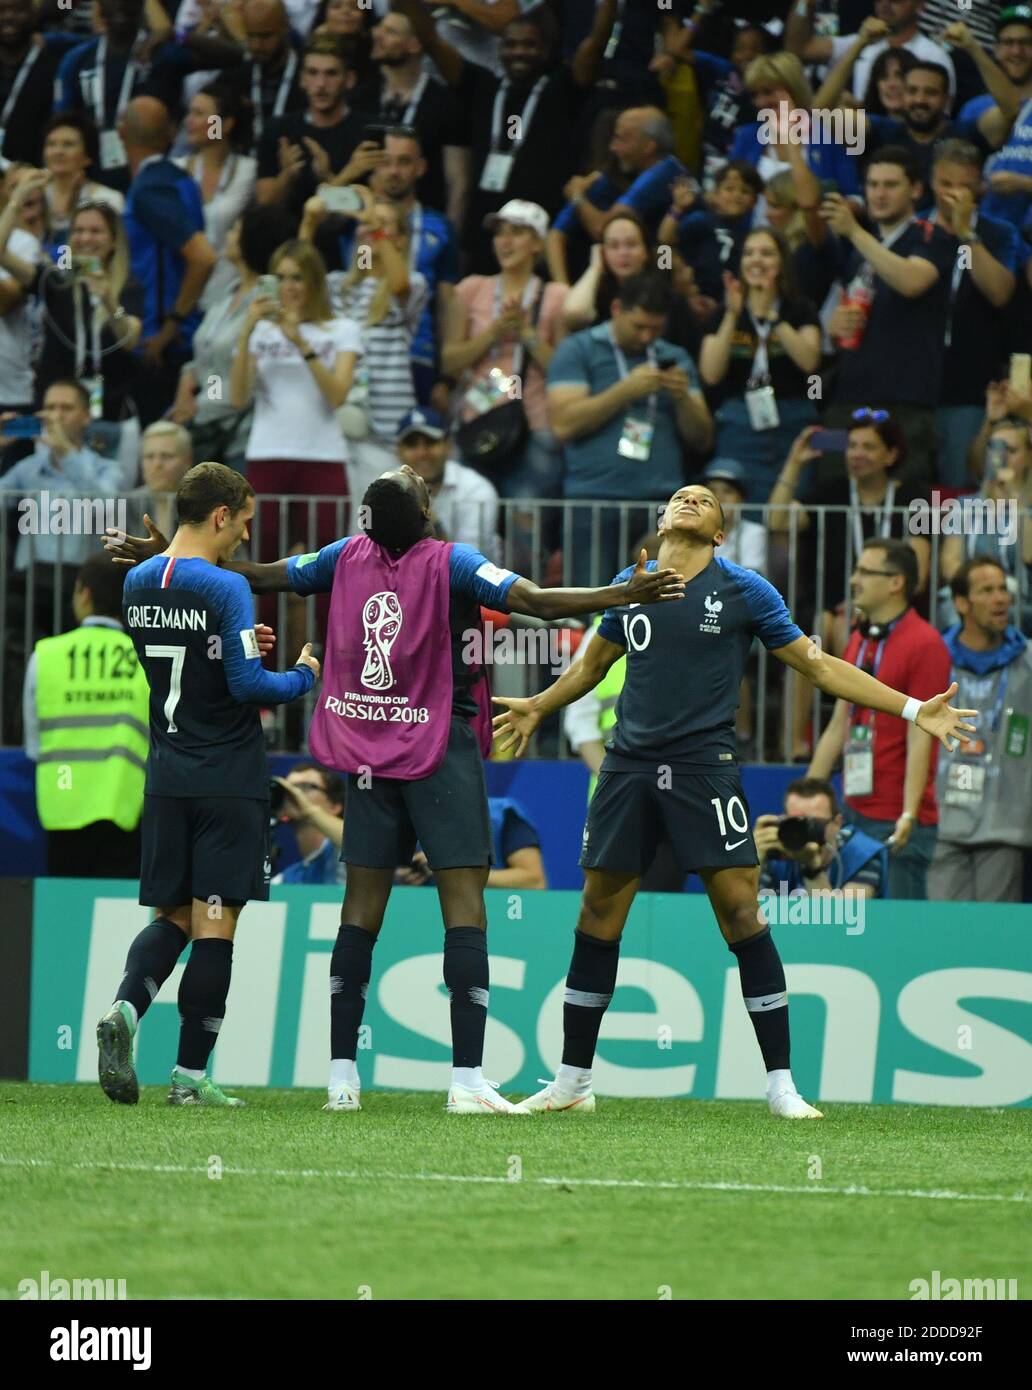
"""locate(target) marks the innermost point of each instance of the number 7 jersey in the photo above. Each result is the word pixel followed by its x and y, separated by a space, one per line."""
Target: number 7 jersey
pixel 192 624
pixel 685 661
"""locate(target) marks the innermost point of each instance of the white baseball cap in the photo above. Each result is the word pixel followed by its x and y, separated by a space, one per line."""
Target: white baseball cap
pixel 521 213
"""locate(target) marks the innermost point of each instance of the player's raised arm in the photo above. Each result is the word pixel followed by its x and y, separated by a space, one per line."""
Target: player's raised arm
pixel 936 716
pixel 522 716
pixel 642 586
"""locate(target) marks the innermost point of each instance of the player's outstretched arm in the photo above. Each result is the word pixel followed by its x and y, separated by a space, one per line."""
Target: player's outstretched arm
pixel 936 716
pixel 644 586
pixel 517 722
pixel 263 579
pixel 133 550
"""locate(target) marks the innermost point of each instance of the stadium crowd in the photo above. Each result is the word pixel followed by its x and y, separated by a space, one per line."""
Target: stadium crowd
pixel 560 258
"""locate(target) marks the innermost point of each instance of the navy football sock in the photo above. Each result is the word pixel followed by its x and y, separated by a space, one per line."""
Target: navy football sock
pixel 763 989
pixel 351 965
pixel 202 1000
pixel 466 973
pixel 589 988
pixel 151 960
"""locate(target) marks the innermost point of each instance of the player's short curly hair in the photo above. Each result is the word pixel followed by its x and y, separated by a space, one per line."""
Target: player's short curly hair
pixel 207 486
pixel 395 518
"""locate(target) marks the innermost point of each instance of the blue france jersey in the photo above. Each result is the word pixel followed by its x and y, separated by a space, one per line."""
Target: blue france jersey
pixel 685 660
pixel 192 625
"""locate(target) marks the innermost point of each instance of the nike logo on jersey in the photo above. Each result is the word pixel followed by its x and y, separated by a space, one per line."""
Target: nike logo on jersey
pixel 736 843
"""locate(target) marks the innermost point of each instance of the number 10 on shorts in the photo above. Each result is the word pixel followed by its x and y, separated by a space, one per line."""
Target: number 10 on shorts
pixel 735 808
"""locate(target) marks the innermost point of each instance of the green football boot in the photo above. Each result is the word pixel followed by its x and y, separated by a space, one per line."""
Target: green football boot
pixel 115 1056
pixel 192 1090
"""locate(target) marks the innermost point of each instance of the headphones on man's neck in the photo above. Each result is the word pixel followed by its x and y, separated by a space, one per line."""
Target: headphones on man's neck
pixel 877 632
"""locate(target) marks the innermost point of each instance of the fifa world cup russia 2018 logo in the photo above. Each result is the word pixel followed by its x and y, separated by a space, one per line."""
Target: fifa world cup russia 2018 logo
pixel 381 619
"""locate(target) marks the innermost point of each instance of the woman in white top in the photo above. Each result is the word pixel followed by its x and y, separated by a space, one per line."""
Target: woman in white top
pixel 218 128
pixel 297 363
pixel 69 148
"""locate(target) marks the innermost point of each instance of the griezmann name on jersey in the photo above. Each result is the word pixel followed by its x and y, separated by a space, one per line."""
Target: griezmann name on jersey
pixel 685 661
pixel 192 624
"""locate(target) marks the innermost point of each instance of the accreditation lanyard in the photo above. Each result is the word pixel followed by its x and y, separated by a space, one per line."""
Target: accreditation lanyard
pixel 526 115
pixel 410 110
pixel 760 370
pixel 624 370
pixel 529 295
pixel 955 279
pixel 80 333
pixel 884 526
pixel 864 715
pixel 282 93
pixel 132 67
pixel 20 78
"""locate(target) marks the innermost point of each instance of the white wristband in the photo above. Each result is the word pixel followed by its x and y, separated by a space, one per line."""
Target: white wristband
pixel 911 708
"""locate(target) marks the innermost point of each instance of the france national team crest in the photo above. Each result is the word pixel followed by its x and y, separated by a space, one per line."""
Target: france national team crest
pixel 381 620
pixel 711 619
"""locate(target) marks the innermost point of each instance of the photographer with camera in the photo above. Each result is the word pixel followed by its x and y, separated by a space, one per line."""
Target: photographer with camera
pixel 810 847
pixel 311 798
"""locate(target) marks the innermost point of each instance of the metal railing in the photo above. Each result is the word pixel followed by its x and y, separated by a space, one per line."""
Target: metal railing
pixel 568 542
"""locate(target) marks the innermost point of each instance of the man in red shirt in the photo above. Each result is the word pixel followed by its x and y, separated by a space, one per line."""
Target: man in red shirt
pixel 888 777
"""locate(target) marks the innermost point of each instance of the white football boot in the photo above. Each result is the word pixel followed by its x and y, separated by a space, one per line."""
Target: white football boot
pixel 342 1096
pixel 480 1100
pixel 554 1097
pixel 789 1105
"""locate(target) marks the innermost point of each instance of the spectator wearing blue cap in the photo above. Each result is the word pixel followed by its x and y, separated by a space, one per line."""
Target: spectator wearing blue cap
pixel 465 505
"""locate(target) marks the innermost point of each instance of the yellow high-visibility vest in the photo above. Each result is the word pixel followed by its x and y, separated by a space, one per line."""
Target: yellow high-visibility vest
pixel 92 701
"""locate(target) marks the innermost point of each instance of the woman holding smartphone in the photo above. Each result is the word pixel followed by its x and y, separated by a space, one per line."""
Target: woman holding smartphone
pixel 90 308
pixel 296 362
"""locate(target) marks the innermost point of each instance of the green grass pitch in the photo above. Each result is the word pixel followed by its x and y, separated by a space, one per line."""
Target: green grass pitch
pixel 644 1200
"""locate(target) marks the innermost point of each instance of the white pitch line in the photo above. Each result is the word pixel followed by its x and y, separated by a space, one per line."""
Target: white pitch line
pixel 644 1184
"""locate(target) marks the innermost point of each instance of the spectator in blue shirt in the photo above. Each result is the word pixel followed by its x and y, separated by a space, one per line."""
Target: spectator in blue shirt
pixel 313 803
pixel 709 239
pixel 170 256
pixel 622 400
pixel 53 540
pixel 777 82
pixel 102 75
pixel 642 146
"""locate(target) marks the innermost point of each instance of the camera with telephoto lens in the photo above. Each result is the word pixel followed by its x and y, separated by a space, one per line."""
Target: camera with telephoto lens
pixel 277 799
pixel 796 832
